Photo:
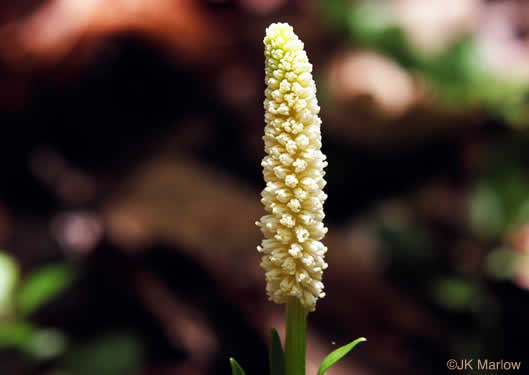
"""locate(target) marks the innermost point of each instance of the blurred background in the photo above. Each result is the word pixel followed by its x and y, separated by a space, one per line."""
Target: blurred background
pixel 130 169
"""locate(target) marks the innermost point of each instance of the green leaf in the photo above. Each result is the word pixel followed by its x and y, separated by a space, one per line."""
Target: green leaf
pixel 15 335
pixel 8 279
pixel 455 294
pixel 236 369
pixel 503 263
pixel 487 212
pixel 118 353
pixel 40 344
pixel 46 344
pixel 43 285
pixel 277 356
pixel 338 354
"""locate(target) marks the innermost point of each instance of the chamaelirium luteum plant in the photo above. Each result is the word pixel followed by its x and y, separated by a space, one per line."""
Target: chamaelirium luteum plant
pixel 293 169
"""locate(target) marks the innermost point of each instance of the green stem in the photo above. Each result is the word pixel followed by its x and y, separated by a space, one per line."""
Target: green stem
pixel 296 338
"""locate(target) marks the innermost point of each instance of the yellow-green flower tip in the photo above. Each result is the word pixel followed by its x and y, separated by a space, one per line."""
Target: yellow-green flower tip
pixel 293 254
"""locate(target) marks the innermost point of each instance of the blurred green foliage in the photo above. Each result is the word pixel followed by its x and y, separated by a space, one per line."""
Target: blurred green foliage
pixel 502 263
pixel 457 76
pixel 406 244
pixel 14 334
pixel 20 297
pixel 457 294
pixel 500 201
pixel 499 209
pixel 42 286
pixel 9 275
pixel 47 344
pixel 112 354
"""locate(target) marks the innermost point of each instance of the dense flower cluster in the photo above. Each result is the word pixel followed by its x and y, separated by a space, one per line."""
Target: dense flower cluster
pixel 293 254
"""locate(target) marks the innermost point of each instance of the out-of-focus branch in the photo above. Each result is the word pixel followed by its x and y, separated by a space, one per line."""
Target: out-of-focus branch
pixel 184 323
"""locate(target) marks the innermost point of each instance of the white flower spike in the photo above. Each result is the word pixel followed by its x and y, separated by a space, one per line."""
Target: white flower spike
pixel 293 254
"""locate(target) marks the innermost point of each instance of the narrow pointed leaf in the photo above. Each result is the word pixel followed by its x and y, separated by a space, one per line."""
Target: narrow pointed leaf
pixel 277 356
pixel 338 354
pixel 236 369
